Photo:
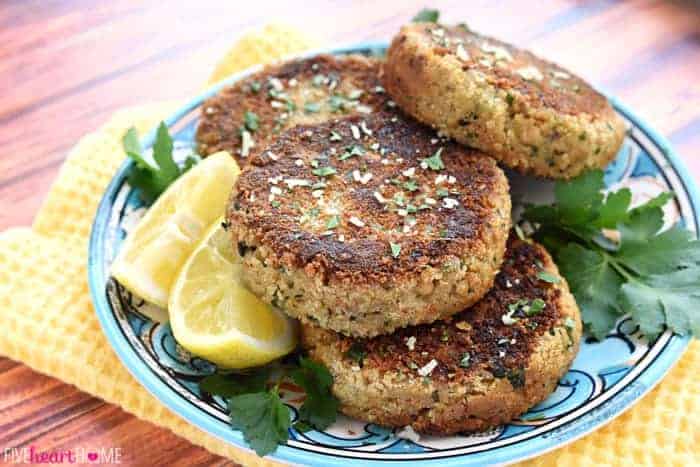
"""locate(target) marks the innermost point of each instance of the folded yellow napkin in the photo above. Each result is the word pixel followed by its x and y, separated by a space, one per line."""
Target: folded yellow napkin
pixel 50 325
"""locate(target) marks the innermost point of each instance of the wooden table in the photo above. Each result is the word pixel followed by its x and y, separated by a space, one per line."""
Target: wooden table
pixel 65 66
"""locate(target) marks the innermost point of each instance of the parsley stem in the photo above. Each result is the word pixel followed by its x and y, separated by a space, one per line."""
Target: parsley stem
pixel 617 267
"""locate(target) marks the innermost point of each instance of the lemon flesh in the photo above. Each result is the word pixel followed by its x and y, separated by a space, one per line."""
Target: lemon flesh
pixel 214 316
pixel 156 249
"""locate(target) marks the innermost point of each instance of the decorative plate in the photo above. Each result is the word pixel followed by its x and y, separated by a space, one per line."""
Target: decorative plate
pixel 606 378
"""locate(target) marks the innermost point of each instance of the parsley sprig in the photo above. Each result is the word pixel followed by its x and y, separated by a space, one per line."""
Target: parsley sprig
pixel 152 179
pixel 650 273
pixel 426 15
pixel 257 410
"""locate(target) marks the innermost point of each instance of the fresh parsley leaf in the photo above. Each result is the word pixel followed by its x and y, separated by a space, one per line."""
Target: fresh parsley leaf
pixel 302 426
pixel 150 179
pixel 191 161
pixel 132 147
pixel 670 299
pixel 660 253
pixel 649 273
pixel 320 407
pixel 263 419
pixel 579 200
pixel 614 209
pixel 163 155
pixel 657 202
pixel 426 15
pixel 230 385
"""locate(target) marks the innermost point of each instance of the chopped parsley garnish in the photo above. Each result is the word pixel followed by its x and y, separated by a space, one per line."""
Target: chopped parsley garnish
pixel 255 87
pixel 535 307
pixel 251 121
pixel 312 107
pixel 465 361
pixel 324 171
pixel 516 377
pixel 426 15
pixel 395 249
pixel 548 277
pixel 411 185
pixel 152 180
pixel 442 193
pixel 524 307
pixel 434 162
pixel 318 80
pixel 650 273
pixel 333 222
pixel 357 353
pixel 274 203
pixel 353 150
pixel 335 136
pixel 339 103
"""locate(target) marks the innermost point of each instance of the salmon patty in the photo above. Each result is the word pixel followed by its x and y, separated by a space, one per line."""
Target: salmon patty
pixel 366 225
pixel 249 115
pixel 530 114
pixel 479 369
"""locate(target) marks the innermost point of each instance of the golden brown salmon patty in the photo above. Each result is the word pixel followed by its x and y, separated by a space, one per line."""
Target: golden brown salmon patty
pixel 247 116
pixel 479 369
pixel 365 225
pixel 528 113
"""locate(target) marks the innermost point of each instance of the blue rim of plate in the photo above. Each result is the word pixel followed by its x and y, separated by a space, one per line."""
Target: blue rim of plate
pixel 576 425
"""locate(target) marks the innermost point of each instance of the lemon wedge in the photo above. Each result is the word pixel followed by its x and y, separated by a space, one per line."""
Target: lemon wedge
pixel 214 316
pixel 156 249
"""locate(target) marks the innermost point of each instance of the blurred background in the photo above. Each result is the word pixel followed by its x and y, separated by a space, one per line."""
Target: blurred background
pixel 65 66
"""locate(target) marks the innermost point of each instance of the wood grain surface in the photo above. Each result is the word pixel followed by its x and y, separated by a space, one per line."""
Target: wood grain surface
pixel 65 66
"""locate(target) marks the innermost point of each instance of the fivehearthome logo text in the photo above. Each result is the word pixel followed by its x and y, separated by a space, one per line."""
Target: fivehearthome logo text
pixel 32 455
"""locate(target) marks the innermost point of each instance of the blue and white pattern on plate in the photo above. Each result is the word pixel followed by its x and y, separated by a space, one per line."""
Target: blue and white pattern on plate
pixel 606 378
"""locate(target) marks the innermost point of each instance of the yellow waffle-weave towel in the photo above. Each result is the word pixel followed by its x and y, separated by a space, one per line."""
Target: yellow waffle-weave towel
pixel 44 298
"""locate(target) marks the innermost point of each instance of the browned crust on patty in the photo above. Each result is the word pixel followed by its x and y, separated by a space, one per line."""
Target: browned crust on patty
pixel 362 253
pixel 528 113
pixel 387 242
pixel 307 91
pixel 571 95
pixel 510 368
